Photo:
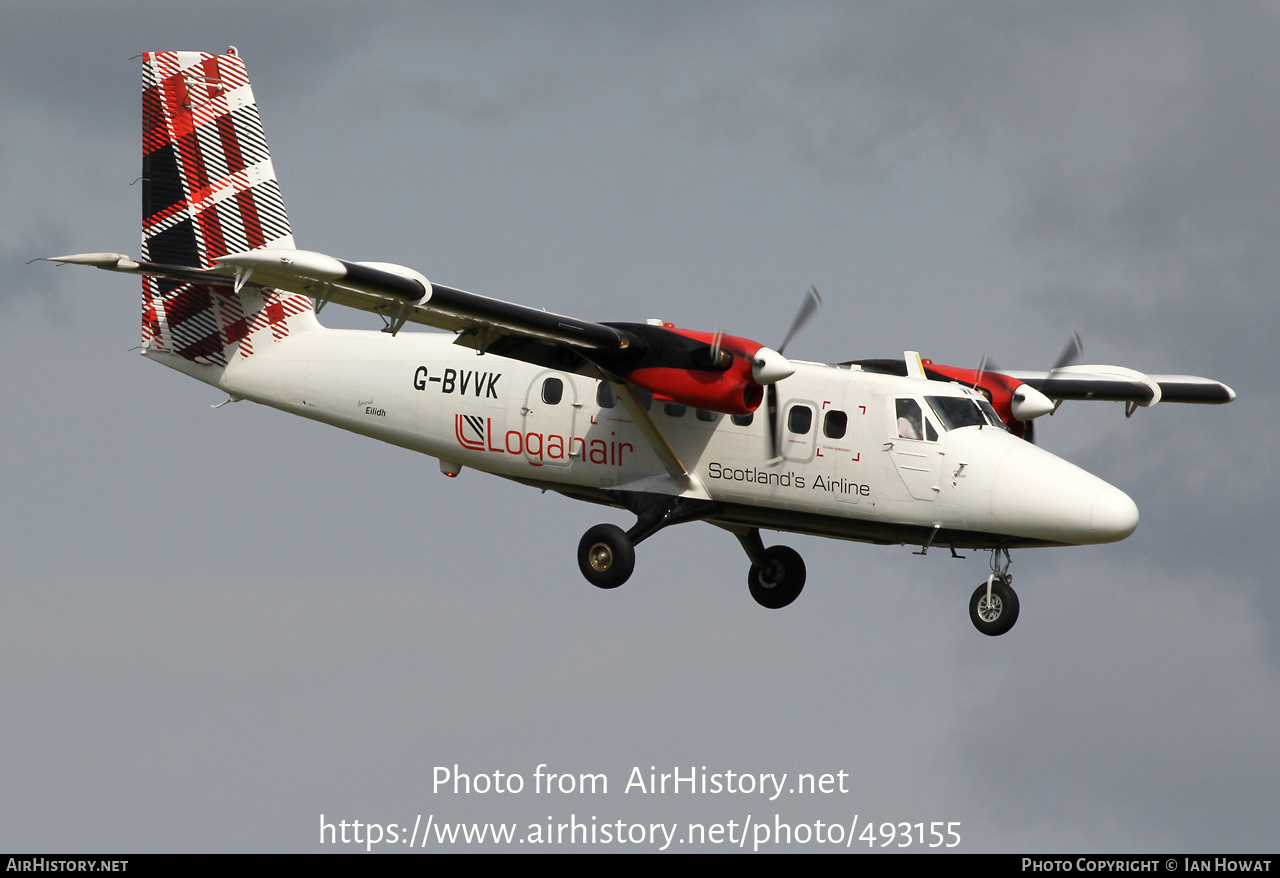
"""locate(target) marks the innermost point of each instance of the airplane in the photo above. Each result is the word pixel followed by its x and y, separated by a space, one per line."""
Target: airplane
pixel 670 424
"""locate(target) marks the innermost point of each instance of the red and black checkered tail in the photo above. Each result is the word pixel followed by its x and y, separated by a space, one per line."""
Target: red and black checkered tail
pixel 208 189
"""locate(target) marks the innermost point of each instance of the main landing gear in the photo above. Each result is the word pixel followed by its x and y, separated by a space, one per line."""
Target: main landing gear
pixel 607 553
pixel 606 556
pixel 777 573
pixel 994 605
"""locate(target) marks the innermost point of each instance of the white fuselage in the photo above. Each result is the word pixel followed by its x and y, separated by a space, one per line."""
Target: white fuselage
pixel 974 486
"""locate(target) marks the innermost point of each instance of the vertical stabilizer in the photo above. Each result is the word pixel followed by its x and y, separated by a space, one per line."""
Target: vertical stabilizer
pixel 208 189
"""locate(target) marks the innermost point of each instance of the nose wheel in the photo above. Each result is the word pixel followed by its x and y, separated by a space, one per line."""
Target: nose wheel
pixel 606 556
pixel 994 607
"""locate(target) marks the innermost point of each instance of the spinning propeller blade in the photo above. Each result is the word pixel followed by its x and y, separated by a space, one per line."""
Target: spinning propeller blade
pixel 812 300
pixel 810 304
pixel 1071 353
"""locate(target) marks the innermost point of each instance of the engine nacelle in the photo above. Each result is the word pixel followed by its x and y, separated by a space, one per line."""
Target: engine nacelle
pixel 731 392
pixel 700 369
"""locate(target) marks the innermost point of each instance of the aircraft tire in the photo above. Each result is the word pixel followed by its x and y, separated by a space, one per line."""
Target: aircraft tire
pixel 606 556
pixel 1003 612
pixel 779 581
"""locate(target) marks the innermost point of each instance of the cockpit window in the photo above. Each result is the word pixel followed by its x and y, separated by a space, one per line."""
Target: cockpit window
pixel 910 420
pixel 955 412
pixel 912 423
pixel 992 418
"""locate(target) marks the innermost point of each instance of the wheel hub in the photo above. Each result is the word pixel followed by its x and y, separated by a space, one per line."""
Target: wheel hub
pixel 600 557
pixel 989 608
pixel 772 574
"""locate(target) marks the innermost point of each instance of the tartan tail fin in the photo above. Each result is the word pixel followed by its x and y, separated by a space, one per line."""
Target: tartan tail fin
pixel 208 190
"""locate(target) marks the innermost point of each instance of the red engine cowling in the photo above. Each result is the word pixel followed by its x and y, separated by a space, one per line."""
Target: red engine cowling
pixel 725 385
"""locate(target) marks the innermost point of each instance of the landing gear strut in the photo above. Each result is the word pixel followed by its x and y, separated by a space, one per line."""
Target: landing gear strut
pixel 994 605
pixel 607 553
pixel 777 573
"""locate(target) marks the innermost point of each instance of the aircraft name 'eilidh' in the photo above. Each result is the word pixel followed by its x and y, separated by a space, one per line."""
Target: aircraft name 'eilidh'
pixel 460 381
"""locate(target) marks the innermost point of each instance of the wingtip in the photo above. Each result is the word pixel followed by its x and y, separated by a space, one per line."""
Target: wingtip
pixel 109 261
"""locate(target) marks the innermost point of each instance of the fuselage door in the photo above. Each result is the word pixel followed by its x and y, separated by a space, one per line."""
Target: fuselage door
pixel 549 418
pixel 798 430
pixel 915 445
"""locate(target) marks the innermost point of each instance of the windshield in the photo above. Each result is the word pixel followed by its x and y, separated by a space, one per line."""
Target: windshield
pixel 992 417
pixel 955 412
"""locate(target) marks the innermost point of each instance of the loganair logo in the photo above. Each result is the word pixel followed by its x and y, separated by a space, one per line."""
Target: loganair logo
pixel 470 431
pixel 476 433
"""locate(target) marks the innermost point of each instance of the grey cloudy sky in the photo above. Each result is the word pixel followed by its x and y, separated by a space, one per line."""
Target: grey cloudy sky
pixel 218 625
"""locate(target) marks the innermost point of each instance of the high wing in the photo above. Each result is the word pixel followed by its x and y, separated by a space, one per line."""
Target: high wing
pixel 1118 384
pixel 711 371
pixel 1018 398
pixel 399 295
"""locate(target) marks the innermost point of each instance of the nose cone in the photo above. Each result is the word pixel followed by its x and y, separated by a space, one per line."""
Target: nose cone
pixel 1040 496
pixel 1114 515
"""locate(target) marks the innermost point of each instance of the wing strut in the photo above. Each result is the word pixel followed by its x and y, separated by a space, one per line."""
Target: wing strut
pixel 649 429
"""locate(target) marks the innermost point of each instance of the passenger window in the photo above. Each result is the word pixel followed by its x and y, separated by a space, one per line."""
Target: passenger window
pixel 835 424
pixel 704 415
pixel 645 397
pixel 552 391
pixel 800 419
pixel 744 420
pixel 605 397
pixel 674 409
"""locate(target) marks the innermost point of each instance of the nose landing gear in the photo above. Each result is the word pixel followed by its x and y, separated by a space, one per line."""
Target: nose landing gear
pixel 994 605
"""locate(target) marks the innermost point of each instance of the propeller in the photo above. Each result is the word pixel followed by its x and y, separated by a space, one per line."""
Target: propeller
pixel 812 301
pixel 1071 353
pixel 985 365
pixel 770 366
pixel 1027 403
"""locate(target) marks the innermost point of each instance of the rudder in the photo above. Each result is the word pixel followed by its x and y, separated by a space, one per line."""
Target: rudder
pixel 208 189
